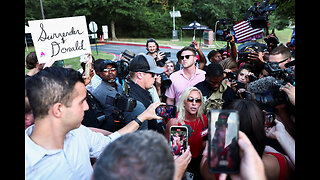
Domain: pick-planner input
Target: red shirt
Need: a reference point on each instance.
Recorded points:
(195, 140)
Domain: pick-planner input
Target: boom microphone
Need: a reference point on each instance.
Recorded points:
(261, 85)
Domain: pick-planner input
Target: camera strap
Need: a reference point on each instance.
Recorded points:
(126, 87)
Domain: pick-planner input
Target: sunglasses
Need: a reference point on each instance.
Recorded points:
(186, 56)
(283, 61)
(191, 100)
(111, 70)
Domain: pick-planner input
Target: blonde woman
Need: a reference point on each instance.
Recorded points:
(190, 112)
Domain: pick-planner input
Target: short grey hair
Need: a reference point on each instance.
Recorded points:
(142, 155)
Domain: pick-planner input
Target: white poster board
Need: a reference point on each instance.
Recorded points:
(60, 38)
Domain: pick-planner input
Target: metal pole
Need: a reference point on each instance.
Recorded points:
(94, 34)
(42, 13)
(174, 24)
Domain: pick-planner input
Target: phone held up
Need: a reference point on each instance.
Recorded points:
(223, 151)
(88, 66)
(269, 118)
(166, 111)
(178, 139)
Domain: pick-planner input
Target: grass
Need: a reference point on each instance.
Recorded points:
(283, 36)
(73, 62)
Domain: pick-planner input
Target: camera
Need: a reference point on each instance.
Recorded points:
(231, 76)
(268, 99)
(122, 102)
(122, 69)
(260, 13)
(274, 69)
(165, 80)
(274, 40)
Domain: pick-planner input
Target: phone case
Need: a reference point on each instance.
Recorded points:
(223, 151)
(166, 111)
(178, 139)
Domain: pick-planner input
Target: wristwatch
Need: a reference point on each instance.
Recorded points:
(138, 121)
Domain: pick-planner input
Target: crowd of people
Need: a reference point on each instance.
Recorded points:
(105, 126)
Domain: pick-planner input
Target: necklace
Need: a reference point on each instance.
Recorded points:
(193, 124)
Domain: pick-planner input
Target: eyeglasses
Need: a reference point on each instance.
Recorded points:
(186, 56)
(283, 61)
(191, 100)
(111, 70)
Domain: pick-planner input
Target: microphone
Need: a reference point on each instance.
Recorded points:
(189, 129)
(262, 85)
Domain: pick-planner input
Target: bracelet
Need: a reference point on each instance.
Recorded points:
(138, 121)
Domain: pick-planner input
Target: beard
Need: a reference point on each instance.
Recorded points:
(111, 80)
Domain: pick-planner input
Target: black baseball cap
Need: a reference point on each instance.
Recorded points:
(105, 63)
(144, 63)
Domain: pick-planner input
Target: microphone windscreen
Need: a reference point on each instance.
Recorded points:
(261, 85)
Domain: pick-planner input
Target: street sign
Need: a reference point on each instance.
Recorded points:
(93, 26)
(175, 14)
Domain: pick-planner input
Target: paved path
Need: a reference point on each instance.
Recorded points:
(116, 48)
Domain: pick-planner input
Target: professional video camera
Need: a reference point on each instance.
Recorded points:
(260, 13)
(269, 98)
(228, 23)
(122, 102)
(122, 69)
(266, 91)
(123, 64)
(287, 75)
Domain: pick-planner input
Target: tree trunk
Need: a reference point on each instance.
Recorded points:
(113, 31)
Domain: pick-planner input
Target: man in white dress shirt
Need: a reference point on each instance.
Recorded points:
(57, 146)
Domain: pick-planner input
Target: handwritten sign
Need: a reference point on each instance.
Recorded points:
(60, 38)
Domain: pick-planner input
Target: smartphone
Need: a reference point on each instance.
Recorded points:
(87, 69)
(243, 55)
(166, 111)
(223, 151)
(167, 54)
(269, 119)
(178, 139)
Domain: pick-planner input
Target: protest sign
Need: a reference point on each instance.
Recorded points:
(60, 38)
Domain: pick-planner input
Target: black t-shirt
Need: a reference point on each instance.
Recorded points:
(228, 95)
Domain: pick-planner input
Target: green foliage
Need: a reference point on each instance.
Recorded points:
(151, 18)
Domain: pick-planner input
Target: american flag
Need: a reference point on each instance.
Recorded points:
(244, 31)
